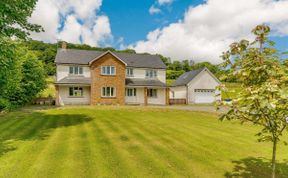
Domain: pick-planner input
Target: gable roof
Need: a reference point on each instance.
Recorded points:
(77, 56)
(185, 78)
(103, 54)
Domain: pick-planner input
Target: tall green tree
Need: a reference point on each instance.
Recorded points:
(13, 24)
(14, 18)
(264, 78)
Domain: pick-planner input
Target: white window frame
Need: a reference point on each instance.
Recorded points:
(151, 73)
(79, 70)
(204, 91)
(105, 69)
(130, 72)
(76, 92)
(131, 92)
(106, 94)
(152, 92)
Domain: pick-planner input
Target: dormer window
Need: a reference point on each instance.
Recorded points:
(151, 73)
(129, 72)
(76, 70)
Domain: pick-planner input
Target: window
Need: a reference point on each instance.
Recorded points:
(108, 92)
(108, 70)
(131, 92)
(75, 70)
(151, 73)
(152, 93)
(205, 90)
(76, 91)
(129, 72)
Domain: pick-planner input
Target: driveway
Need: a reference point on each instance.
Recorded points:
(202, 108)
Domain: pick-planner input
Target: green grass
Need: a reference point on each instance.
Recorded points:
(130, 142)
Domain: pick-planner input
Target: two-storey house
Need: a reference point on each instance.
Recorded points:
(95, 77)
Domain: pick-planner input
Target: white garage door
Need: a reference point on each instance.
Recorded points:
(204, 95)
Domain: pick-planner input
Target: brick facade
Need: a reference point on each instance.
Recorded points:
(117, 81)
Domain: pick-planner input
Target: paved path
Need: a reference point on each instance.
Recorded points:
(204, 108)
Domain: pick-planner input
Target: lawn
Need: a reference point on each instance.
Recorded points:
(130, 142)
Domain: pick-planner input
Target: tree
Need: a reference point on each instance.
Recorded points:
(33, 77)
(264, 78)
(14, 18)
(13, 23)
(24, 79)
(213, 68)
(186, 65)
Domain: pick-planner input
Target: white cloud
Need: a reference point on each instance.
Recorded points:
(100, 33)
(154, 10)
(208, 29)
(81, 21)
(161, 2)
(72, 30)
(47, 15)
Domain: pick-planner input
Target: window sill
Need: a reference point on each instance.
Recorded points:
(76, 75)
(108, 75)
(153, 97)
(108, 97)
(151, 77)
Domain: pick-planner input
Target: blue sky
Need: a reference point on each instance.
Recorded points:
(130, 18)
(198, 30)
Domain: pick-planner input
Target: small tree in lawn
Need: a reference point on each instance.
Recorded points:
(264, 78)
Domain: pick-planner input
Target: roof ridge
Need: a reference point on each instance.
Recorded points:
(122, 52)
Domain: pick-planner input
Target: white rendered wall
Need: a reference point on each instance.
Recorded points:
(202, 81)
(65, 99)
(180, 92)
(62, 71)
(141, 73)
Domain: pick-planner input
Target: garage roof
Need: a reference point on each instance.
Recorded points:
(185, 78)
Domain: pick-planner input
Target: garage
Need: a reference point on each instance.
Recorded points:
(196, 86)
(204, 95)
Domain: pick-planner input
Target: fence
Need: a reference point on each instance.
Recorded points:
(44, 101)
(177, 101)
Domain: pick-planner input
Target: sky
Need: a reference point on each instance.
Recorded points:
(198, 30)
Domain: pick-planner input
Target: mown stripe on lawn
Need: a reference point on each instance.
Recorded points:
(53, 150)
(184, 151)
(78, 151)
(143, 161)
(111, 162)
(25, 151)
(154, 141)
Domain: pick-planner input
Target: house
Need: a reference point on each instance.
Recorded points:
(95, 77)
(197, 86)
